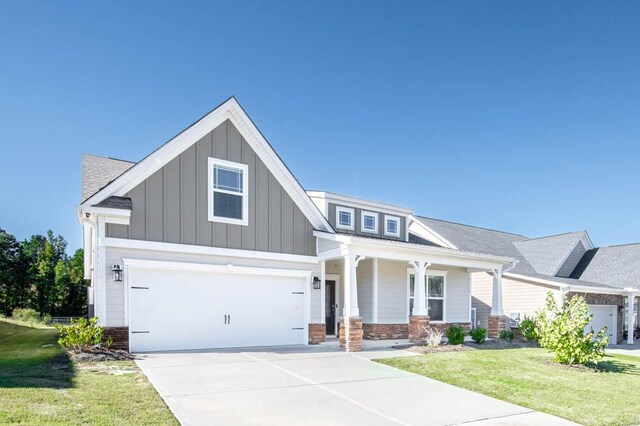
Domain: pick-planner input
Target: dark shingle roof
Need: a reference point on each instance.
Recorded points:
(617, 266)
(499, 243)
(114, 202)
(98, 172)
(546, 254)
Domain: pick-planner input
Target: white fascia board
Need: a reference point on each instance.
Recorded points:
(117, 216)
(229, 110)
(211, 251)
(434, 236)
(564, 287)
(330, 197)
(205, 267)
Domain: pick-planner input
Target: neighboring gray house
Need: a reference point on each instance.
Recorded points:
(211, 242)
(608, 277)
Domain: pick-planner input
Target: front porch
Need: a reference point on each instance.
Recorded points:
(368, 290)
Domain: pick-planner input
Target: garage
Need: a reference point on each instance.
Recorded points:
(604, 316)
(214, 306)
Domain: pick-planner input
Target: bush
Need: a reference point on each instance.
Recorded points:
(507, 335)
(479, 335)
(561, 330)
(26, 315)
(433, 338)
(455, 335)
(81, 334)
(528, 328)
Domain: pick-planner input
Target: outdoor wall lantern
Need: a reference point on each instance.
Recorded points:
(316, 283)
(117, 272)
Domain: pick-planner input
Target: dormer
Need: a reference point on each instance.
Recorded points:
(357, 216)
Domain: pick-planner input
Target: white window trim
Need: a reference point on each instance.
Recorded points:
(386, 231)
(428, 273)
(245, 191)
(375, 222)
(352, 212)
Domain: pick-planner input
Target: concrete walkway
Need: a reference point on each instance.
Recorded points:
(631, 350)
(316, 386)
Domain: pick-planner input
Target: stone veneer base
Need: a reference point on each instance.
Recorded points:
(385, 331)
(120, 336)
(317, 333)
(353, 341)
(497, 323)
(418, 327)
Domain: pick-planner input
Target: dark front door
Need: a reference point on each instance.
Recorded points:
(330, 306)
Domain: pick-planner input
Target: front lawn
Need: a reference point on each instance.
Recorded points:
(39, 384)
(528, 377)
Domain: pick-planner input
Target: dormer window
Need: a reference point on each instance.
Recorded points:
(391, 226)
(369, 222)
(344, 218)
(228, 199)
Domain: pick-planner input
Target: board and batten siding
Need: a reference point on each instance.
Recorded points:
(517, 296)
(572, 260)
(358, 223)
(171, 206)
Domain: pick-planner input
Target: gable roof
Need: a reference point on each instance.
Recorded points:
(617, 266)
(547, 254)
(98, 172)
(489, 241)
(228, 110)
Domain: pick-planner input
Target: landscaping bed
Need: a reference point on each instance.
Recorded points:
(41, 384)
(606, 394)
(472, 346)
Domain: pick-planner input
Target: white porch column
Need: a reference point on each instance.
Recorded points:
(496, 300)
(351, 285)
(631, 296)
(374, 285)
(419, 296)
(323, 291)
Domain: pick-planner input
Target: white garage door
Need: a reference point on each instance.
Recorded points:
(174, 310)
(603, 316)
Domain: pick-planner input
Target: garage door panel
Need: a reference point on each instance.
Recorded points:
(186, 310)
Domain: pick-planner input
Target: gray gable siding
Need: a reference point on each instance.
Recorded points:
(572, 261)
(171, 205)
(358, 219)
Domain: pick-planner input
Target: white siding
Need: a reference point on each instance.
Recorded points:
(365, 290)
(517, 296)
(115, 291)
(457, 300)
(393, 298)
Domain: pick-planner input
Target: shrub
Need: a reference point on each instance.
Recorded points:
(433, 338)
(81, 334)
(26, 315)
(507, 335)
(561, 329)
(455, 335)
(528, 328)
(479, 335)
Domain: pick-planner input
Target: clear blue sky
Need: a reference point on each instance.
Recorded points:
(521, 116)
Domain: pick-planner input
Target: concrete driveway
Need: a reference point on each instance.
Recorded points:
(631, 350)
(316, 386)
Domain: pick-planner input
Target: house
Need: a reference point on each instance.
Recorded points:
(211, 242)
(607, 277)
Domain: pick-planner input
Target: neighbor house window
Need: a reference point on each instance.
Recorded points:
(435, 283)
(391, 226)
(344, 218)
(228, 200)
(514, 319)
(369, 222)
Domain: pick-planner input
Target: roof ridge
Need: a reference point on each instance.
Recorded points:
(617, 245)
(554, 235)
(472, 226)
(110, 158)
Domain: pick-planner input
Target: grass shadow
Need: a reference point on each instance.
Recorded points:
(31, 358)
(616, 366)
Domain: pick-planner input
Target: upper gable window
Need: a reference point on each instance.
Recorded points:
(391, 226)
(344, 218)
(228, 200)
(369, 222)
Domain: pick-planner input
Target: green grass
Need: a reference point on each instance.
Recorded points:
(39, 384)
(528, 377)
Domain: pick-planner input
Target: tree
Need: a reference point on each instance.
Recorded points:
(13, 291)
(561, 329)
